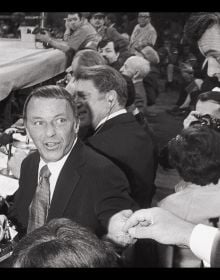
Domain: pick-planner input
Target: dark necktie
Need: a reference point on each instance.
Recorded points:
(40, 204)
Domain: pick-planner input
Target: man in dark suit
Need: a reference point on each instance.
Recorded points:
(121, 138)
(84, 186)
(117, 135)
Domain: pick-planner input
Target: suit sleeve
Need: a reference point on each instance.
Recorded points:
(113, 194)
(204, 244)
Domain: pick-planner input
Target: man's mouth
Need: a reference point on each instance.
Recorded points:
(51, 145)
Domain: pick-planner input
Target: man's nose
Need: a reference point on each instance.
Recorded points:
(50, 130)
(213, 67)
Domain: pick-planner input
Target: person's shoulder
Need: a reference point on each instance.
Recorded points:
(87, 27)
(32, 157)
(94, 157)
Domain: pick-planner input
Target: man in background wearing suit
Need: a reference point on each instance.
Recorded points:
(118, 135)
(83, 185)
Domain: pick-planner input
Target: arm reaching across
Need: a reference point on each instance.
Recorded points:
(115, 228)
(160, 225)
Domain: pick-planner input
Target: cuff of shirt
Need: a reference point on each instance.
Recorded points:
(201, 241)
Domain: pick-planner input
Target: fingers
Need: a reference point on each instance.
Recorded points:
(127, 213)
(140, 232)
(142, 215)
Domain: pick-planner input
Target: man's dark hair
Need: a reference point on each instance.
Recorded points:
(111, 17)
(86, 15)
(89, 58)
(49, 92)
(210, 96)
(104, 42)
(195, 154)
(105, 78)
(63, 243)
(198, 23)
(73, 13)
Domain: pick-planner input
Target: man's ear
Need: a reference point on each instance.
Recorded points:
(111, 96)
(76, 126)
(136, 75)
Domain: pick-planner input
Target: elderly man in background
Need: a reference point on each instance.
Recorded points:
(144, 33)
(78, 35)
(137, 68)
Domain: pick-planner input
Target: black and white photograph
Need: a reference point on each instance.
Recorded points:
(110, 139)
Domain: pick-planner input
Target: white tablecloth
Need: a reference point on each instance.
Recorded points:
(22, 65)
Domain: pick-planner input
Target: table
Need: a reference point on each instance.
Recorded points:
(22, 65)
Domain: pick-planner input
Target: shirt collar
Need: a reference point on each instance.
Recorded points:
(57, 164)
(119, 112)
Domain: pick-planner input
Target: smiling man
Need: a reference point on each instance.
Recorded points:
(65, 178)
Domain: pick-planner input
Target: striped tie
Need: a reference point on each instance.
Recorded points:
(39, 207)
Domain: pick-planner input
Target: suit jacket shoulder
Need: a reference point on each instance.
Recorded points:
(124, 141)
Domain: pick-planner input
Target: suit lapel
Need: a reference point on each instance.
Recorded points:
(67, 181)
(32, 180)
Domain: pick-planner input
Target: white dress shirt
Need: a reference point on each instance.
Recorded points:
(120, 112)
(201, 242)
(55, 168)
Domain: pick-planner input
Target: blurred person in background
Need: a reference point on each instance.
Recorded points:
(143, 34)
(78, 35)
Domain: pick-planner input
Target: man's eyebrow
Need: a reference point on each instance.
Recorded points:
(210, 51)
(41, 118)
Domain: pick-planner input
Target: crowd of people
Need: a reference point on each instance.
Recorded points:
(85, 194)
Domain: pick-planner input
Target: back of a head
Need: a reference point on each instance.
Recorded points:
(150, 54)
(88, 58)
(198, 23)
(195, 154)
(63, 243)
(111, 17)
(139, 65)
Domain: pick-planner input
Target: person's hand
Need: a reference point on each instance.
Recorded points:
(159, 224)
(67, 26)
(43, 37)
(115, 232)
(189, 119)
(3, 222)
